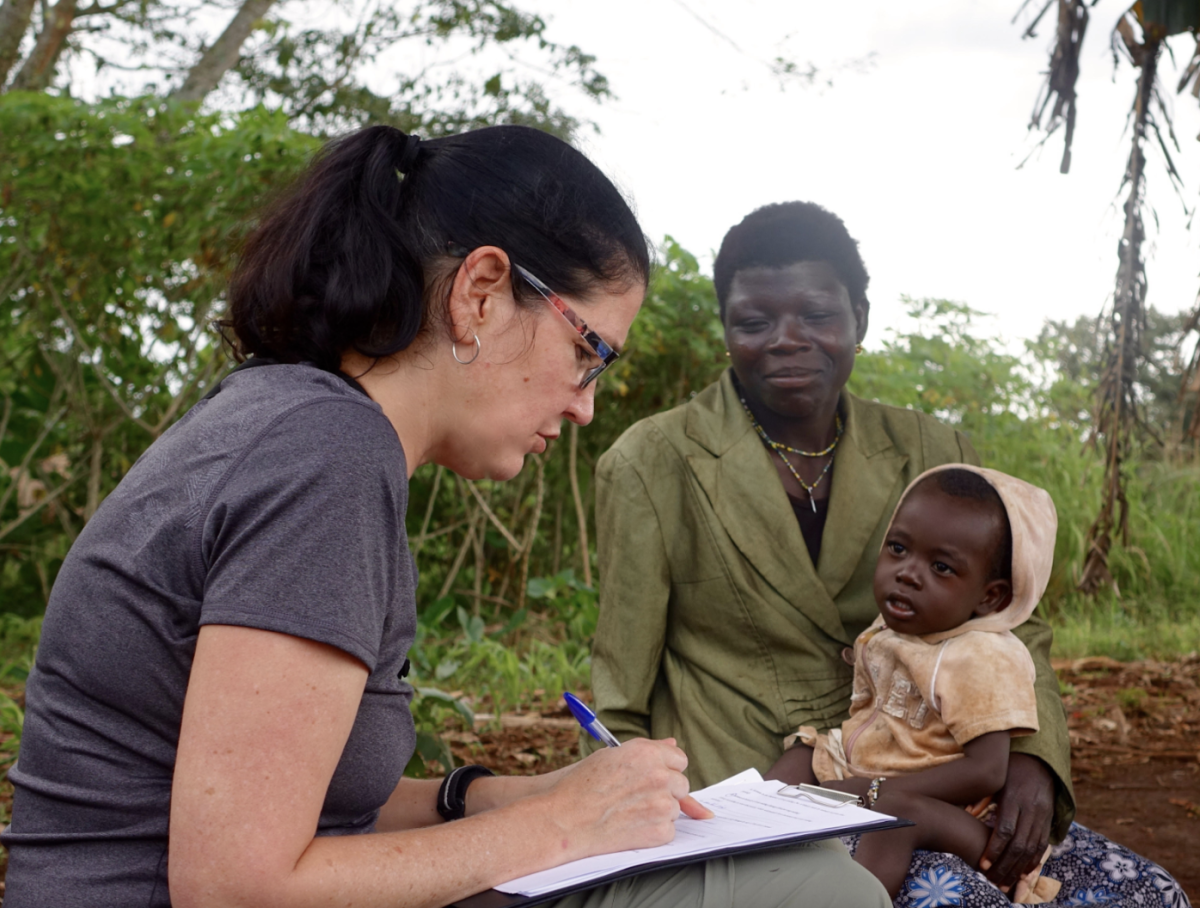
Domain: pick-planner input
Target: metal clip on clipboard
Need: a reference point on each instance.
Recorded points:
(826, 797)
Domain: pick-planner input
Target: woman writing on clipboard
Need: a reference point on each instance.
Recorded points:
(217, 715)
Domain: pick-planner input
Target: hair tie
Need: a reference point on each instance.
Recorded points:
(408, 157)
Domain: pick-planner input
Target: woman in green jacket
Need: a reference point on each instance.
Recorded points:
(738, 535)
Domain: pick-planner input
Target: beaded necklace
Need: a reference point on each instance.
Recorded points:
(779, 448)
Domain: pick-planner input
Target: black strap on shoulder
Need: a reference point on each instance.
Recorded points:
(352, 383)
(240, 367)
(256, 361)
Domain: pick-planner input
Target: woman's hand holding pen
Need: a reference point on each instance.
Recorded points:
(624, 797)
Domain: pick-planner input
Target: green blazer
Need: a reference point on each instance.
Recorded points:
(715, 627)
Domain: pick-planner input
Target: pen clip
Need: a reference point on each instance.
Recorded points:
(826, 797)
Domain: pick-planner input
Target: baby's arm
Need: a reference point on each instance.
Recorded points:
(794, 767)
(980, 772)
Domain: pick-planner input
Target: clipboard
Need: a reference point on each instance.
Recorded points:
(825, 797)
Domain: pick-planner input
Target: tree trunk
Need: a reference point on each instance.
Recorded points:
(14, 22)
(580, 510)
(531, 533)
(224, 54)
(95, 474)
(38, 69)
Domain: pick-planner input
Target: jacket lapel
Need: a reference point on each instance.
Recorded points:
(864, 484)
(744, 491)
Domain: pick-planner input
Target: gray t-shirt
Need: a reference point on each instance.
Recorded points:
(278, 504)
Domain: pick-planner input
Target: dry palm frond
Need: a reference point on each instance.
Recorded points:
(1190, 73)
(1116, 407)
(1059, 87)
(1140, 37)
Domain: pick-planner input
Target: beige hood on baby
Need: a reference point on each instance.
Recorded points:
(1034, 524)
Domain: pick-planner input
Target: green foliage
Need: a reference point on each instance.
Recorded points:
(576, 607)
(547, 650)
(675, 348)
(18, 645)
(1076, 354)
(117, 226)
(12, 721)
(500, 665)
(943, 368)
(432, 709)
(1132, 699)
(1108, 626)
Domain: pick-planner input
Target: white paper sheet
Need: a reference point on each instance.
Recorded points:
(748, 811)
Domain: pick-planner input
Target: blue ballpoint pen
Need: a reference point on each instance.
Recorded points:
(590, 723)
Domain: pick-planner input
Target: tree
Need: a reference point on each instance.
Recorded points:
(224, 53)
(1140, 36)
(317, 76)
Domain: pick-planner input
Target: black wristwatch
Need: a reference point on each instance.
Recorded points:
(452, 796)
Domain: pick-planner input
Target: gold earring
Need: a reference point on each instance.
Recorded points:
(858, 348)
(726, 352)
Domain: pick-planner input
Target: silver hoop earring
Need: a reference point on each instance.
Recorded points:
(465, 362)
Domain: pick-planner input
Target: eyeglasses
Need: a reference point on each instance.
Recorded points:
(600, 348)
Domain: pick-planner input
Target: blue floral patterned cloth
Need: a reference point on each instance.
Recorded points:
(1092, 870)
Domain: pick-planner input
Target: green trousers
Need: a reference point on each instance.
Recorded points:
(817, 875)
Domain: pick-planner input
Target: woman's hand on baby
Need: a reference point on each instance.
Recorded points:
(1025, 810)
(624, 797)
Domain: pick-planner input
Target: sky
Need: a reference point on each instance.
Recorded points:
(918, 151)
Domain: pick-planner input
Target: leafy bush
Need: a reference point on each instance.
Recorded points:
(547, 650)
(18, 645)
(118, 225)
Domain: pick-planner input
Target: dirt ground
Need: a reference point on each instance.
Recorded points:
(1135, 745)
(1135, 753)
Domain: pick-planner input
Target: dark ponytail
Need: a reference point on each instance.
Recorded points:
(343, 261)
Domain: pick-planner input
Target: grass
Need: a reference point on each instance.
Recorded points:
(1153, 611)
(1124, 629)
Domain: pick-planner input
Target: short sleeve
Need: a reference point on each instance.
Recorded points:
(305, 534)
(983, 682)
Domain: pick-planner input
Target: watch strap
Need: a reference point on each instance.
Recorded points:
(452, 795)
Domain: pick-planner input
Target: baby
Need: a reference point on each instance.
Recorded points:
(940, 681)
